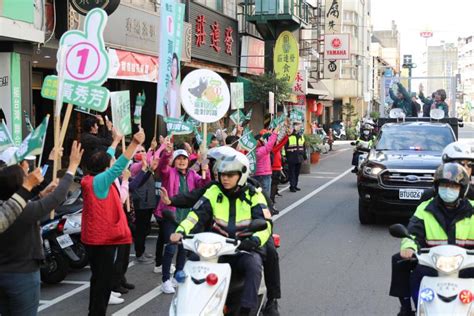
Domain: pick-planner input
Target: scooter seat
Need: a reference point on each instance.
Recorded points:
(236, 283)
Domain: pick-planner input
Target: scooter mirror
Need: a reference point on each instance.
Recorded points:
(353, 143)
(257, 225)
(399, 231)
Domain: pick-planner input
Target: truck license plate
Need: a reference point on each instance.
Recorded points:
(410, 194)
(64, 241)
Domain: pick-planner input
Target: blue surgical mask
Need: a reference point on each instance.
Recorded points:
(448, 195)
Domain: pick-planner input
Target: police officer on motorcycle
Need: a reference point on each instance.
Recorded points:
(446, 218)
(366, 139)
(228, 207)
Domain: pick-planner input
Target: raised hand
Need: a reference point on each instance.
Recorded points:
(139, 137)
(33, 179)
(153, 144)
(51, 154)
(50, 188)
(164, 196)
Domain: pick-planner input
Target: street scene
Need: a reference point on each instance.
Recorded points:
(264, 158)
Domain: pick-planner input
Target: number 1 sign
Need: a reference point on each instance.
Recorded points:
(86, 59)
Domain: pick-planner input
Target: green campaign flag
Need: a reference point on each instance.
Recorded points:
(252, 156)
(139, 104)
(277, 121)
(176, 126)
(32, 145)
(5, 139)
(239, 118)
(247, 141)
(198, 136)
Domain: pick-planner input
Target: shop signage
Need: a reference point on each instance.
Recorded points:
(205, 95)
(132, 66)
(84, 6)
(337, 46)
(10, 93)
(300, 85)
(252, 60)
(332, 25)
(120, 104)
(286, 57)
(215, 36)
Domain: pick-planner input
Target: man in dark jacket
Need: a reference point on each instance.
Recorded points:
(96, 136)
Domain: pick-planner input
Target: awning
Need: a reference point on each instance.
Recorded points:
(319, 89)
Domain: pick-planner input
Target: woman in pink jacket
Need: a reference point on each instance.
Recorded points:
(263, 173)
(177, 178)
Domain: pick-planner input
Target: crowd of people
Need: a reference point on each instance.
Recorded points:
(120, 201)
(418, 106)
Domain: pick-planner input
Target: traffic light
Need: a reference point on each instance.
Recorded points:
(407, 61)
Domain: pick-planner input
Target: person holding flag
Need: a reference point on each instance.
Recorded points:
(21, 247)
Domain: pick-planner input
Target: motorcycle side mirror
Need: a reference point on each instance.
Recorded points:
(364, 149)
(353, 143)
(257, 225)
(169, 216)
(399, 231)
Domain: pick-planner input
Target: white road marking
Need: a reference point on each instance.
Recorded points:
(64, 296)
(136, 304)
(75, 282)
(307, 197)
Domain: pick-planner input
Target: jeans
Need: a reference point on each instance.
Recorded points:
(19, 293)
(265, 182)
(102, 260)
(169, 228)
(294, 174)
(142, 229)
(250, 266)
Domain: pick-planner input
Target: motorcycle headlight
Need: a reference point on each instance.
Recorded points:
(206, 250)
(448, 264)
(372, 171)
(212, 306)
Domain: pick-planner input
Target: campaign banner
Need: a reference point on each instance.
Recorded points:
(132, 66)
(176, 126)
(171, 33)
(120, 102)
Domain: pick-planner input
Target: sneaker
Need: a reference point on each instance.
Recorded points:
(144, 260)
(292, 190)
(115, 300)
(271, 308)
(174, 282)
(297, 189)
(116, 294)
(158, 269)
(128, 286)
(120, 290)
(167, 287)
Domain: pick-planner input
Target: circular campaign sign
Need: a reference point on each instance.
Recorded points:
(205, 95)
(83, 7)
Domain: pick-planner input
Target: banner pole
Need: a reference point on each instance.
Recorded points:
(128, 196)
(67, 117)
(44, 141)
(204, 147)
(156, 125)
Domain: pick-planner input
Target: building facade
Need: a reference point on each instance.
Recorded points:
(466, 69)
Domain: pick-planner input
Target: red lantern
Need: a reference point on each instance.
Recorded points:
(319, 109)
(312, 105)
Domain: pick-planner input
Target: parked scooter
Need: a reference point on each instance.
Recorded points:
(340, 133)
(445, 294)
(206, 287)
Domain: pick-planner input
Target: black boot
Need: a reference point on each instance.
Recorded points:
(271, 308)
(406, 311)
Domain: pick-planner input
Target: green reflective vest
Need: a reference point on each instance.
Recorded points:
(231, 216)
(424, 222)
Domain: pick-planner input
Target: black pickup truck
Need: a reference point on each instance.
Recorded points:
(398, 172)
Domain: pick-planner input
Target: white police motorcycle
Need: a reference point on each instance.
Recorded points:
(445, 294)
(206, 287)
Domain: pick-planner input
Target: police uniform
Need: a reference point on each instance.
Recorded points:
(231, 213)
(295, 154)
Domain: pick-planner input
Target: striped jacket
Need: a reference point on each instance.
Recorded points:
(12, 208)
(430, 227)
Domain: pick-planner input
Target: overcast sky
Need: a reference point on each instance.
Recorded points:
(447, 19)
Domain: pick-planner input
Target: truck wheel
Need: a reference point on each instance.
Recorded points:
(366, 217)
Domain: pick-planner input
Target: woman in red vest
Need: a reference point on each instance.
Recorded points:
(104, 224)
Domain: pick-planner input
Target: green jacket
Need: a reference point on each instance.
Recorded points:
(430, 226)
(405, 104)
(230, 214)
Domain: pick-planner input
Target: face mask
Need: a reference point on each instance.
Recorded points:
(366, 133)
(448, 195)
(297, 128)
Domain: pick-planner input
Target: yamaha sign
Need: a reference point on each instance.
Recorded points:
(337, 46)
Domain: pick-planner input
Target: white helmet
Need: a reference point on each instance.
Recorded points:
(218, 152)
(236, 163)
(458, 151)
